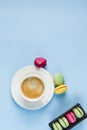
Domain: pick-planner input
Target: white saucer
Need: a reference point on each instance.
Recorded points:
(25, 72)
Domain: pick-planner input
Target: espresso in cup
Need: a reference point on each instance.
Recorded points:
(32, 87)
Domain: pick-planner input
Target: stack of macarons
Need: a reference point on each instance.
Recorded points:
(69, 119)
(60, 87)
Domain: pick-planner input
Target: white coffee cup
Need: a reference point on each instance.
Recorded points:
(32, 87)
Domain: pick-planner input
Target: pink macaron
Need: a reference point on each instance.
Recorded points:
(71, 117)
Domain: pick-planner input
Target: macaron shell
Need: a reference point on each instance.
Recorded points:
(60, 89)
(78, 112)
(59, 127)
(71, 117)
(54, 126)
(64, 122)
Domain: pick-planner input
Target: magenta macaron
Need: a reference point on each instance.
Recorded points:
(40, 62)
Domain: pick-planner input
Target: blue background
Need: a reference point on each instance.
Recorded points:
(56, 30)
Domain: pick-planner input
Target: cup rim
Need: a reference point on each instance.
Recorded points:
(32, 99)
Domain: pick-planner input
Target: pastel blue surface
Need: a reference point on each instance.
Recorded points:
(56, 30)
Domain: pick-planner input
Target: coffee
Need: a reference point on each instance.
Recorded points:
(32, 87)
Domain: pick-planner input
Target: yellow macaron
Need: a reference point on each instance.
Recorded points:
(61, 89)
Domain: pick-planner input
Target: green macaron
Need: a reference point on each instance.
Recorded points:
(78, 112)
(64, 122)
(58, 79)
(57, 126)
(54, 126)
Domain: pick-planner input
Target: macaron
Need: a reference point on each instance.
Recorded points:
(78, 112)
(64, 122)
(71, 117)
(60, 89)
(40, 62)
(57, 126)
(54, 126)
(58, 79)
